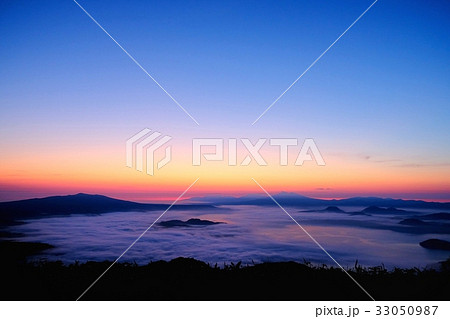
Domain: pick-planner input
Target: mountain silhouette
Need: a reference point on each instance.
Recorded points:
(413, 222)
(436, 216)
(380, 210)
(333, 209)
(77, 204)
(294, 199)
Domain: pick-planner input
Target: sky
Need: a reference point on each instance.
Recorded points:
(376, 104)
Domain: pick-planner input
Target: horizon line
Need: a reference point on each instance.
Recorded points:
(164, 199)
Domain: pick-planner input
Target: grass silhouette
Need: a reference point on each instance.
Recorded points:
(190, 279)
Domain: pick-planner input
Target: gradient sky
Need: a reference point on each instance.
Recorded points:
(377, 104)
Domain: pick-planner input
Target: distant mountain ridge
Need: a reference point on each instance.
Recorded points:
(293, 199)
(77, 204)
(97, 204)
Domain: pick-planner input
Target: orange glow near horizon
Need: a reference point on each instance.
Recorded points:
(103, 171)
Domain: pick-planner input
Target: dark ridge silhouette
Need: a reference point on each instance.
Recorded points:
(333, 209)
(188, 223)
(8, 234)
(190, 279)
(437, 244)
(329, 209)
(389, 202)
(14, 211)
(413, 222)
(293, 199)
(436, 216)
(19, 251)
(380, 210)
(428, 228)
(77, 204)
(9, 222)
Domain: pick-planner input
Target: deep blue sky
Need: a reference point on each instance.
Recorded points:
(219, 59)
(381, 92)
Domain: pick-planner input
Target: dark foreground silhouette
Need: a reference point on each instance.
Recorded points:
(190, 279)
(188, 223)
(436, 244)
